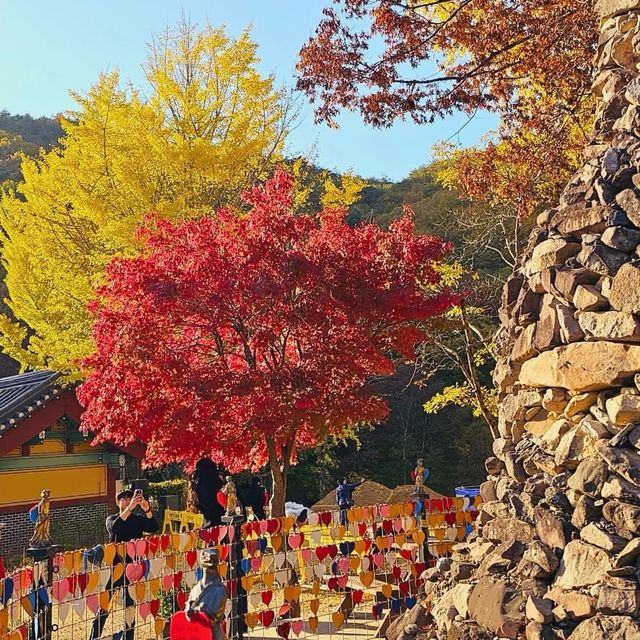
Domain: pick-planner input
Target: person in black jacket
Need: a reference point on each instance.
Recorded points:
(202, 497)
(344, 497)
(253, 495)
(123, 527)
(126, 525)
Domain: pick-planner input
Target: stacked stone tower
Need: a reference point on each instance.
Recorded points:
(558, 547)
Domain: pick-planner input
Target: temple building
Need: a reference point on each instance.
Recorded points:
(41, 447)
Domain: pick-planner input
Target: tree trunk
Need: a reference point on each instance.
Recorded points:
(474, 380)
(279, 469)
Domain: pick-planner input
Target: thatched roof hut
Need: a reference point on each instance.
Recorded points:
(368, 493)
(404, 492)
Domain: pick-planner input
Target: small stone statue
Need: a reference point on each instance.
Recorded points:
(41, 537)
(230, 491)
(209, 595)
(419, 472)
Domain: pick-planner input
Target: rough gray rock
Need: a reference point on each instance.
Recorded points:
(621, 238)
(629, 554)
(615, 601)
(625, 289)
(542, 555)
(550, 528)
(610, 325)
(584, 512)
(505, 529)
(576, 604)
(617, 487)
(554, 251)
(493, 604)
(602, 259)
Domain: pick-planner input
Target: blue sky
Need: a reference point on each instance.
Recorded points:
(48, 48)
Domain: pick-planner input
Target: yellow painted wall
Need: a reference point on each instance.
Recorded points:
(85, 447)
(24, 487)
(47, 447)
(17, 452)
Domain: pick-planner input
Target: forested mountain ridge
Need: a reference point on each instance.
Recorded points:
(23, 134)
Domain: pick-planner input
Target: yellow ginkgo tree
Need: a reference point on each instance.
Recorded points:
(207, 126)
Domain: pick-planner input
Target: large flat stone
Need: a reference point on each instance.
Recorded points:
(502, 529)
(624, 462)
(607, 628)
(582, 565)
(582, 366)
(607, 8)
(492, 604)
(576, 220)
(610, 325)
(625, 289)
(598, 537)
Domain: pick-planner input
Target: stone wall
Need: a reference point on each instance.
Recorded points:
(557, 552)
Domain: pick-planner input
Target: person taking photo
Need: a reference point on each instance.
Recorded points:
(123, 527)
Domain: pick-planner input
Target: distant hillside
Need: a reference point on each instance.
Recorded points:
(43, 131)
(23, 134)
(382, 202)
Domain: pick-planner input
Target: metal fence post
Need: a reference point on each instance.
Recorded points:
(237, 626)
(42, 567)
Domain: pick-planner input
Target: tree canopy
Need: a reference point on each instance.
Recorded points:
(253, 337)
(209, 126)
(527, 60)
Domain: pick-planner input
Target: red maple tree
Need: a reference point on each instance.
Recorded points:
(246, 338)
